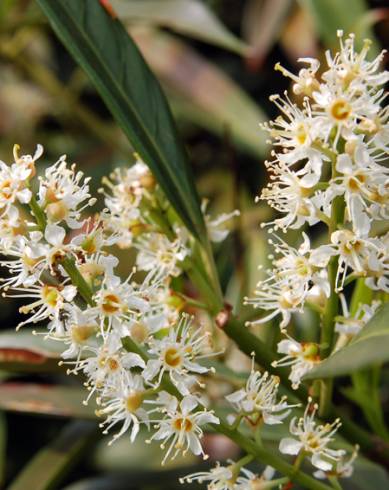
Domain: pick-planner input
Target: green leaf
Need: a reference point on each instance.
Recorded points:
(64, 401)
(369, 347)
(24, 352)
(189, 17)
(54, 462)
(103, 48)
(331, 15)
(201, 92)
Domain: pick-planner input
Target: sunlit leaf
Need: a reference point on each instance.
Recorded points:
(64, 401)
(202, 92)
(103, 48)
(52, 463)
(189, 17)
(369, 347)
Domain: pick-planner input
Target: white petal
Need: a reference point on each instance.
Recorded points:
(290, 446)
(55, 235)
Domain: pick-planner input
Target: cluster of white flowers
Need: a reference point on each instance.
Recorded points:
(139, 216)
(234, 477)
(127, 337)
(140, 354)
(327, 167)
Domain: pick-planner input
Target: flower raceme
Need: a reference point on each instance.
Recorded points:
(132, 340)
(59, 258)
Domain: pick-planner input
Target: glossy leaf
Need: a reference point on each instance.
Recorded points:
(368, 348)
(103, 48)
(64, 401)
(24, 352)
(53, 463)
(202, 92)
(189, 17)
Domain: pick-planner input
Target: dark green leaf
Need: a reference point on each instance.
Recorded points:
(51, 464)
(369, 347)
(103, 48)
(64, 401)
(189, 17)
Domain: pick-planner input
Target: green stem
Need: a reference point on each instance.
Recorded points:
(83, 288)
(334, 482)
(38, 213)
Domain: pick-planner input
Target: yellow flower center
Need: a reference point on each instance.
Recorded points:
(183, 423)
(172, 357)
(134, 401)
(340, 110)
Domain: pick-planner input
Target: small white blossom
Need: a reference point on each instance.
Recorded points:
(180, 428)
(259, 398)
(313, 439)
(302, 357)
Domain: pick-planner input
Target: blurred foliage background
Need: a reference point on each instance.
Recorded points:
(215, 60)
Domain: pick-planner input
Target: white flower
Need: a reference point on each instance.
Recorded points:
(126, 189)
(124, 405)
(216, 231)
(259, 398)
(343, 468)
(181, 427)
(252, 481)
(157, 252)
(313, 439)
(217, 478)
(105, 367)
(50, 303)
(62, 194)
(302, 357)
(351, 325)
(119, 302)
(287, 193)
(14, 179)
(177, 354)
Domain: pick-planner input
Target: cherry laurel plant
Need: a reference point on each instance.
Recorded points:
(141, 354)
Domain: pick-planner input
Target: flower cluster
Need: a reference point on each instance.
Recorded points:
(327, 167)
(128, 338)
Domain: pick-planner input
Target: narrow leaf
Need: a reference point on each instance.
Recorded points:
(53, 463)
(64, 401)
(190, 17)
(368, 348)
(103, 48)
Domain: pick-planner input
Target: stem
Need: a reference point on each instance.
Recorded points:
(332, 306)
(82, 286)
(38, 213)
(334, 482)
